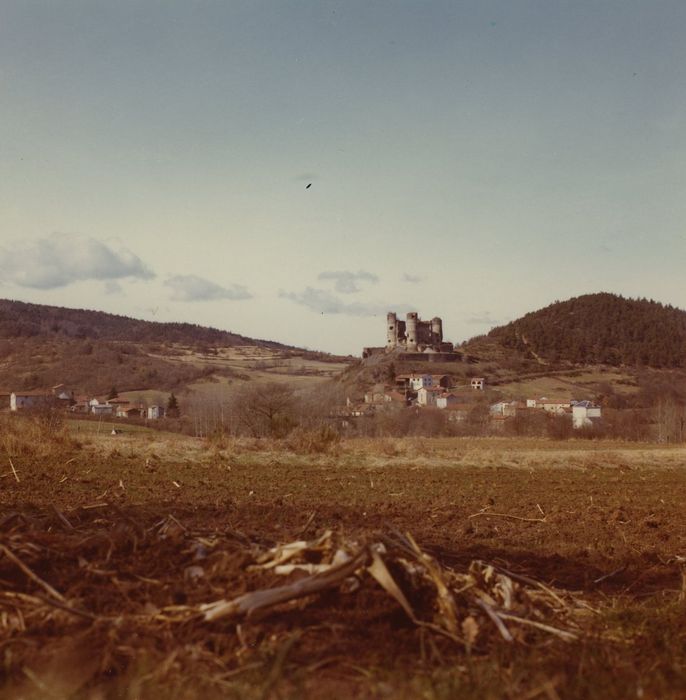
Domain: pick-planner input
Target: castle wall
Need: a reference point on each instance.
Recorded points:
(414, 335)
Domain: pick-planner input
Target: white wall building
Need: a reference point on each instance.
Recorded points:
(584, 414)
(427, 396)
(417, 381)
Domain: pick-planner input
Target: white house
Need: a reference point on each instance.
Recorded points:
(478, 383)
(418, 381)
(155, 412)
(427, 395)
(584, 414)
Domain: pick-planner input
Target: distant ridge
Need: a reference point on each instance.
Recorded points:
(92, 351)
(601, 328)
(20, 319)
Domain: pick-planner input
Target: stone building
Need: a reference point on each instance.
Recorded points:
(415, 335)
(415, 340)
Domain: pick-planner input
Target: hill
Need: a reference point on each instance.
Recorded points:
(623, 352)
(92, 351)
(600, 329)
(20, 319)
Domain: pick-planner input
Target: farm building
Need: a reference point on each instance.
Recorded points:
(585, 414)
(22, 400)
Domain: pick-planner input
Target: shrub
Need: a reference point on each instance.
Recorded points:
(316, 441)
(38, 434)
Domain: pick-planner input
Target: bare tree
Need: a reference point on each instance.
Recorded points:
(265, 410)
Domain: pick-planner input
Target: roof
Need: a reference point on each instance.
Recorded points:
(32, 393)
(585, 404)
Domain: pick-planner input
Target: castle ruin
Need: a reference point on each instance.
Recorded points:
(414, 336)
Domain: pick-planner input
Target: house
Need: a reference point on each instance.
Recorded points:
(62, 394)
(101, 409)
(395, 397)
(585, 414)
(155, 412)
(446, 400)
(22, 400)
(129, 412)
(531, 403)
(419, 381)
(477, 383)
(505, 409)
(557, 407)
(357, 410)
(376, 395)
(427, 395)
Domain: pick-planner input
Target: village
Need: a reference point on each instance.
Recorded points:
(59, 397)
(434, 391)
(417, 341)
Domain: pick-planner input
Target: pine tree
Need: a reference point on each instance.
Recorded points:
(173, 407)
(113, 393)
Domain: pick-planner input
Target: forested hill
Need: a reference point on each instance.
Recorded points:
(21, 320)
(601, 328)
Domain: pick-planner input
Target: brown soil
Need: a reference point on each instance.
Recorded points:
(95, 525)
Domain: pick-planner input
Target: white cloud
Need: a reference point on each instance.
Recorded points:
(113, 287)
(63, 258)
(412, 279)
(484, 318)
(347, 282)
(325, 302)
(194, 288)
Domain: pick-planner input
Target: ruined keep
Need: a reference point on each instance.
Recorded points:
(415, 339)
(415, 335)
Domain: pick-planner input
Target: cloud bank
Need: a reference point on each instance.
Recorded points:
(346, 282)
(194, 288)
(325, 302)
(64, 258)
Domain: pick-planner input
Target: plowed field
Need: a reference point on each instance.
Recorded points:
(110, 550)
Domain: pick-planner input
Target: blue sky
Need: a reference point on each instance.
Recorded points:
(473, 160)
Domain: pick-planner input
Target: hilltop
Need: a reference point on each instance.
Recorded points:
(20, 319)
(591, 346)
(92, 351)
(600, 329)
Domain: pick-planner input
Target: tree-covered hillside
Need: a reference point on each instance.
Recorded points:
(601, 328)
(21, 320)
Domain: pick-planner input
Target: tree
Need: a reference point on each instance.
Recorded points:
(173, 407)
(113, 393)
(265, 410)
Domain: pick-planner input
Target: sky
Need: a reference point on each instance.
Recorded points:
(292, 170)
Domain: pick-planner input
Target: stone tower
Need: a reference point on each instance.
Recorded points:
(411, 331)
(437, 330)
(391, 330)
